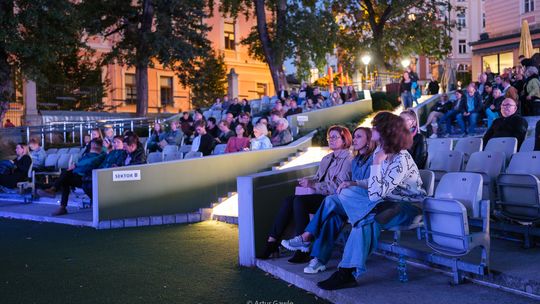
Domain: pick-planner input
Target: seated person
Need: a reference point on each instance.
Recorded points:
(37, 153)
(245, 118)
(469, 110)
(261, 140)
(211, 127)
(418, 150)
(73, 177)
(186, 124)
(117, 156)
(173, 137)
(245, 107)
(134, 150)
(108, 136)
(451, 115)
(155, 138)
(204, 142)
(294, 109)
(334, 169)
(95, 133)
(240, 142)
(282, 134)
(308, 105)
(217, 106)
(437, 111)
(493, 106)
(226, 132)
(394, 184)
(16, 171)
(511, 124)
(235, 108)
(327, 223)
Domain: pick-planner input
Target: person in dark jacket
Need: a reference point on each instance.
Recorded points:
(469, 109)
(405, 91)
(155, 137)
(510, 124)
(537, 137)
(134, 150)
(203, 143)
(116, 157)
(437, 111)
(18, 168)
(418, 150)
(493, 106)
(236, 108)
(73, 177)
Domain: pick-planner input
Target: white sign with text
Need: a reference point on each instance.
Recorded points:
(123, 176)
(302, 118)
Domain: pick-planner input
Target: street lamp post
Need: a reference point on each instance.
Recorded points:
(365, 60)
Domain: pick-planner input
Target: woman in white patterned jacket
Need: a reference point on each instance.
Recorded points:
(394, 185)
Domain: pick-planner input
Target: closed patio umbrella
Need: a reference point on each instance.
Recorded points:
(525, 42)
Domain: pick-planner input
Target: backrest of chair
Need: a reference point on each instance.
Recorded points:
(75, 150)
(52, 151)
(507, 145)
(519, 196)
(217, 115)
(193, 154)
(64, 161)
(154, 157)
(178, 155)
(527, 145)
(465, 187)
(446, 225)
(468, 146)
(170, 156)
(488, 162)
(219, 149)
(185, 149)
(30, 169)
(51, 160)
(170, 149)
(75, 158)
(428, 181)
(525, 163)
(439, 144)
(63, 151)
(448, 161)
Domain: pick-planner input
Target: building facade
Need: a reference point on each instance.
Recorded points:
(498, 47)
(165, 93)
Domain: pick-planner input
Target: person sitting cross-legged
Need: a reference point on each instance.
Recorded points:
(73, 177)
(469, 110)
(327, 223)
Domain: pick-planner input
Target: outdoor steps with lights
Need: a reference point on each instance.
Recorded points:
(224, 218)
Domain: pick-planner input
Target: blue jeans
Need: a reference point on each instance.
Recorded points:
(491, 116)
(472, 119)
(364, 237)
(448, 118)
(325, 227)
(407, 99)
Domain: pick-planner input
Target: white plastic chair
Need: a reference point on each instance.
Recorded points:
(507, 145)
(154, 157)
(490, 164)
(468, 146)
(527, 145)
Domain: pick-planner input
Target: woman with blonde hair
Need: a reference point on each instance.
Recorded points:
(418, 150)
(261, 140)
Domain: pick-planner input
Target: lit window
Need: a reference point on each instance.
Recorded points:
(462, 46)
(166, 90)
(131, 88)
(228, 32)
(528, 6)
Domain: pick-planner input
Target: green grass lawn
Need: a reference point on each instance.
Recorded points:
(198, 263)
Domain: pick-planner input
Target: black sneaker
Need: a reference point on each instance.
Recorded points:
(270, 250)
(300, 257)
(338, 280)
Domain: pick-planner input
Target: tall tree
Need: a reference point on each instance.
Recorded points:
(391, 29)
(208, 82)
(301, 30)
(35, 34)
(170, 32)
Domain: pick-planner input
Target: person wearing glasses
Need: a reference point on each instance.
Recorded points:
(334, 169)
(394, 187)
(510, 124)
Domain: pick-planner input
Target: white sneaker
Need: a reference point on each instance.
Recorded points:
(433, 136)
(296, 243)
(423, 128)
(314, 266)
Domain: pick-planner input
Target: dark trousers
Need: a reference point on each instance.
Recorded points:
(299, 207)
(67, 180)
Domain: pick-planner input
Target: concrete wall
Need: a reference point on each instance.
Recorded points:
(324, 117)
(180, 186)
(259, 198)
